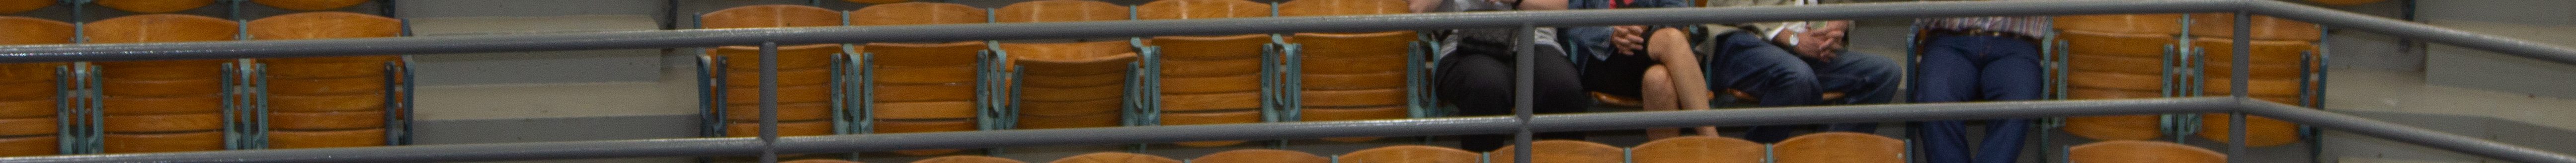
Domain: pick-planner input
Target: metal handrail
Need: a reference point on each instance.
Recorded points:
(1298, 130)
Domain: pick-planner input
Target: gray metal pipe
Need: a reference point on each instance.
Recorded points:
(1158, 134)
(1005, 31)
(2412, 30)
(2401, 133)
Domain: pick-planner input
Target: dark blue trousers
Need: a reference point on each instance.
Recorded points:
(1976, 68)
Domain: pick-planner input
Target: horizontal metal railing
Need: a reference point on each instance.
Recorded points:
(1297, 130)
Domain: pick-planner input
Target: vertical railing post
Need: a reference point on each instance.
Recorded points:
(1523, 88)
(2236, 119)
(769, 102)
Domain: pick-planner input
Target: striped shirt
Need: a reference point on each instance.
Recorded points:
(2032, 26)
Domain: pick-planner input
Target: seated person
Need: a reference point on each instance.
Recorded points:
(1789, 64)
(1476, 72)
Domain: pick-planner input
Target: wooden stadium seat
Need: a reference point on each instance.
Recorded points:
(1261, 156)
(2165, 24)
(1354, 98)
(1212, 101)
(1109, 119)
(2116, 64)
(934, 80)
(924, 110)
(1065, 65)
(915, 13)
(1410, 154)
(30, 145)
(2116, 44)
(745, 59)
(27, 124)
(29, 108)
(18, 6)
(786, 94)
(2219, 85)
(1211, 117)
(2259, 131)
(1060, 11)
(2272, 59)
(2116, 127)
(342, 120)
(924, 125)
(162, 123)
(28, 90)
(327, 86)
(1839, 147)
(921, 87)
(1564, 151)
(1699, 149)
(1335, 53)
(2127, 151)
(29, 30)
(170, 87)
(1341, 7)
(2222, 25)
(319, 103)
(154, 6)
(1213, 84)
(876, 1)
(1115, 157)
(967, 159)
(820, 161)
(1353, 113)
(1201, 9)
(1067, 108)
(2111, 80)
(162, 105)
(121, 105)
(785, 128)
(163, 142)
(310, 5)
(1062, 84)
(1203, 77)
(293, 139)
(1368, 80)
(1211, 67)
(13, 127)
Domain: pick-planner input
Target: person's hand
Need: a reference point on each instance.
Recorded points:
(1627, 39)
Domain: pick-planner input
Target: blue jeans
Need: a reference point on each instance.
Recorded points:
(1742, 62)
(1976, 68)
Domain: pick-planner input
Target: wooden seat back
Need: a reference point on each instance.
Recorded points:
(1699, 149)
(1261, 156)
(1115, 157)
(325, 25)
(1839, 147)
(18, 6)
(1410, 154)
(2116, 127)
(2130, 151)
(154, 6)
(310, 5)
(2223, 25)
(2166, 24)
(967, 159)
(30, 31)
(1563, 151)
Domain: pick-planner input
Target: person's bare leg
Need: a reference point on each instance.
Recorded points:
(1658, 96)
(1672, 48)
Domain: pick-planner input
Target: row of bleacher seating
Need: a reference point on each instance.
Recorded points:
(901, 87)
(196, 105)
(2171, 55)
(1830, 147)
